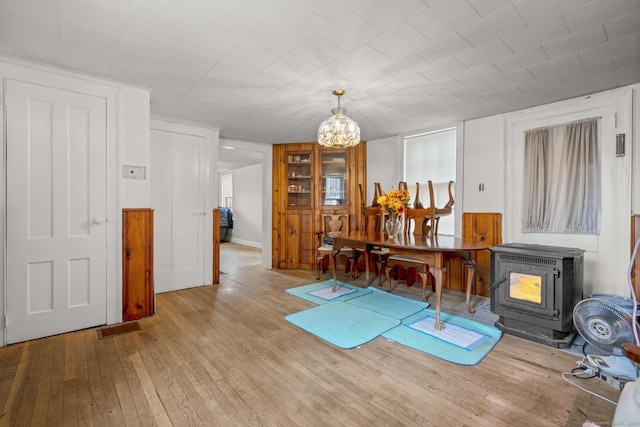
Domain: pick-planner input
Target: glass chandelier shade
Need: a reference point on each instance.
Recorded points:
(338, 131)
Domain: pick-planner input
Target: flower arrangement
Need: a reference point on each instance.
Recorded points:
(394, 202)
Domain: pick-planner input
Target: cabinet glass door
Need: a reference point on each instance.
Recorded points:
(334, 178)
(299, 179)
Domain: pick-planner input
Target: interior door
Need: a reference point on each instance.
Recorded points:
(56, 209)
(178, 198)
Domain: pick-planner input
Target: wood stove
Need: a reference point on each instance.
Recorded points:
(534, 290)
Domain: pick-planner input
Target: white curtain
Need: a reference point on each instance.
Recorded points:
(562, 179)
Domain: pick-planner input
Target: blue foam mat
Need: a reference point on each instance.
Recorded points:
(388, 304)
(304, 292)
(341, 324)
(434, 346)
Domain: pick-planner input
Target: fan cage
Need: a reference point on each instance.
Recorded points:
(603, 324)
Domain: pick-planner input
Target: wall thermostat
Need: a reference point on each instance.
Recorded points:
(134, 172)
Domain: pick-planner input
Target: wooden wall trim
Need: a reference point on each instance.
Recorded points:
(216, 246)
(635, 270)
(138, 295)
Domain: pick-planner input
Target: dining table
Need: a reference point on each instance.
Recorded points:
(434, 250)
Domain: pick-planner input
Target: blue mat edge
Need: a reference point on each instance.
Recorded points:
(467, 357)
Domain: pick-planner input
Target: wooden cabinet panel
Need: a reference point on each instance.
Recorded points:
(138, 297)
(309, 180)
(486, 227)
(308, 241)
(292, 239)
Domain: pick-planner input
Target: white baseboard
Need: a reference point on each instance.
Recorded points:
(246, 243)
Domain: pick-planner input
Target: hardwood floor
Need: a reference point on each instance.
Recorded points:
(223, 356)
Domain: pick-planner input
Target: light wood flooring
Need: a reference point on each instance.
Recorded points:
(224, 356)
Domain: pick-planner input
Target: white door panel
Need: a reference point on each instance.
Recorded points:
(56, 187)
(177, 197)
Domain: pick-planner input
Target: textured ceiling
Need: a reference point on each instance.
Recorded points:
(264, 70)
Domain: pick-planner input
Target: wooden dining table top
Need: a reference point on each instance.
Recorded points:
(438, 243)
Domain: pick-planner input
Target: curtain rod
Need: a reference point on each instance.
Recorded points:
(563, 124)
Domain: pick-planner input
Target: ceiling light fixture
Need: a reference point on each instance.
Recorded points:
(338, 131)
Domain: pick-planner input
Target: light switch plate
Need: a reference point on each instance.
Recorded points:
(134, 172)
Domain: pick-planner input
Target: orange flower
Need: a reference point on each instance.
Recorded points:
(394, 201)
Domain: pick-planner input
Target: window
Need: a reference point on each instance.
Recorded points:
(432, 156)
(562, 179)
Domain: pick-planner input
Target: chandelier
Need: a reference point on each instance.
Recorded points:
(338, 130)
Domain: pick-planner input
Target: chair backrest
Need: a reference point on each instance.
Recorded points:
(372, 219)
(440, 193)
(424, 220)
(333, 223)
(420, 221)
(377, 192)
(363, 203)
(417, 203)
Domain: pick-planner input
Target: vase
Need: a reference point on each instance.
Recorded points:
(393, 227)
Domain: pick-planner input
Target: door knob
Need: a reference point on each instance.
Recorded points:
(97, 220)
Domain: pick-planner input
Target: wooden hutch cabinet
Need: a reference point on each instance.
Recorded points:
(309, 180)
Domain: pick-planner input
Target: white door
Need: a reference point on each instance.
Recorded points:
(178, 200)
(56, 209)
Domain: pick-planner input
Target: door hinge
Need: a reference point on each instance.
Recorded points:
(556, 273)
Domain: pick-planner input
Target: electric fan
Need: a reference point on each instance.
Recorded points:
(604, 325)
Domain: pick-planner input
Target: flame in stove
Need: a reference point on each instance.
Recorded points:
(525, 287)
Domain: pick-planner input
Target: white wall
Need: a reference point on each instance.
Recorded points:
(484, 160)
(484, 165)
(384, 164)
(247, 202)
(134, 147)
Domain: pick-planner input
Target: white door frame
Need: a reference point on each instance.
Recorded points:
(90, 87)
(211, 146)
(267, 193)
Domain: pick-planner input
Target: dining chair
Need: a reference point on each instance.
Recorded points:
(427, 220)
(421, 222)
(372, 222)
(334, 223)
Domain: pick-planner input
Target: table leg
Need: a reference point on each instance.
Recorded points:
(470, 267)
(366, 268)
(437, 274)
(332, 261)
